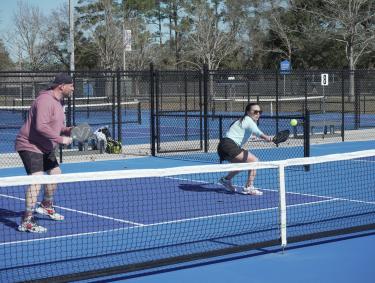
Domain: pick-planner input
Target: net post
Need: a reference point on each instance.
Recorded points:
(282, 206)
(306, 136)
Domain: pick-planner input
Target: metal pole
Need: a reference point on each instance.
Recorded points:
(306, 136)
(119, 112)
(342, 105)
(71, 35)
(124, 47)
(205, 106)
(152, 110)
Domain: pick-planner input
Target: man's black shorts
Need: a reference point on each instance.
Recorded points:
(38, 162)
(228, 149)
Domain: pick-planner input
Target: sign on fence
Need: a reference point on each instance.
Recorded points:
(324, 79)
(285, 67)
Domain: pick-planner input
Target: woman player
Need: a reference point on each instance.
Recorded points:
(230, 148)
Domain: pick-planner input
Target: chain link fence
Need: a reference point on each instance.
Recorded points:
(114, 100)
(183, 114)
(340, 105)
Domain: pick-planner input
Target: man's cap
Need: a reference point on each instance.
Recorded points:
(61, 78)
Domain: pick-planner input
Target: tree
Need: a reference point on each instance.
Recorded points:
(254, 33)
(102, 25)
(134, 14)
(104, 22)
(5, 61)
(109, 37)
(28, 34)
(56, 39)
(351, 23)
(208, 42)
(172, 10)
(87, 55)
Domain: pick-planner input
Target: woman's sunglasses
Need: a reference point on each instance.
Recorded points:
(256, 112)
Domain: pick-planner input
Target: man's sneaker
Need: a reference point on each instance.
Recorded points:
(252, 191)
(227, 185)
(30, 225)
(49, 211)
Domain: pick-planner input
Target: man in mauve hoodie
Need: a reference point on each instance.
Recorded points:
(36, 141)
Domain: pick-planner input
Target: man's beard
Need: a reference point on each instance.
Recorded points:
(67, 94)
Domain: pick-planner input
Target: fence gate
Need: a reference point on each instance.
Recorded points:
(178, 112)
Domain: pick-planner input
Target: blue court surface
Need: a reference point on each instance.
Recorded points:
(172, 127)
(349, 260)
(194, 203)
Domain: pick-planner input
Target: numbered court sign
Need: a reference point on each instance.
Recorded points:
(324, 79)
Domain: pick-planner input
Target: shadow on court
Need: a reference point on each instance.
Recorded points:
(200, 188)
(9, 218)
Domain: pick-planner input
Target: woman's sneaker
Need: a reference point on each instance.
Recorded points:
(29, 224)
(49, 211)
(227, 185)
(252, 191)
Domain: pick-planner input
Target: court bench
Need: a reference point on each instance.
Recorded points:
(328, 126)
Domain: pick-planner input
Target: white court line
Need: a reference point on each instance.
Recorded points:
(329, 198)
(158, 223)
(326, 199)
(292, 193)
(82, 212)
(143, 226)
(155, 224)
(269, 190)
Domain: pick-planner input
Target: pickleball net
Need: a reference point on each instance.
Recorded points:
(131, 220)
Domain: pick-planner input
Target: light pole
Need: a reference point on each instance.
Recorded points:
(124, 47)
(71, 35)
(127, 40)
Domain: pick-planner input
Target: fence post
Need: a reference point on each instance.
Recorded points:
(357, 100)
(277, 102)
(306, 136)
(305, 90)
(186, 108)
(152, 110)
(205, 106)
(113, 100)
(119, 112)
(200, 87)
(220, 132)
(342, 105)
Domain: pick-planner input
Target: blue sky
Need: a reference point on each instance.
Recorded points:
(9, 7)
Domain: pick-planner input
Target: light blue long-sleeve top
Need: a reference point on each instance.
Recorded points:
(240, 132)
